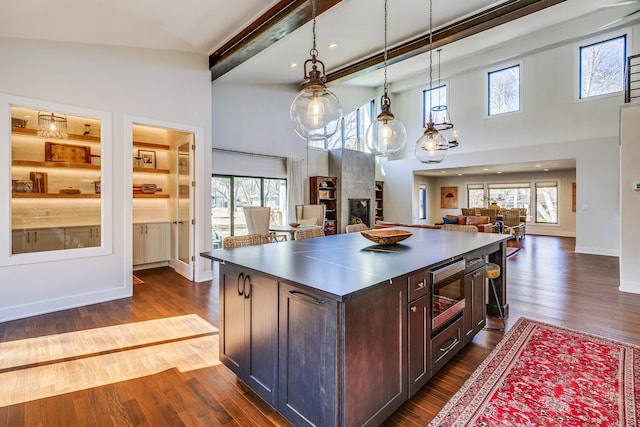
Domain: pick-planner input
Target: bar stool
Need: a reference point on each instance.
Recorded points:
(493, 272)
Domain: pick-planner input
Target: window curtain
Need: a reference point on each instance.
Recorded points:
(295, 181)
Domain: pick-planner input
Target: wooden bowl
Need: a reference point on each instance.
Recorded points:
(294, 224)
(386, 236)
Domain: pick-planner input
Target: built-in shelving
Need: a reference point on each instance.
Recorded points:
(150, 196)
(66, 165)
(72, 137)
(54, 196)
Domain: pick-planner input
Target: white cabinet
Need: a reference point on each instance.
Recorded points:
(81, 237)
(36, 240)
(151, 243)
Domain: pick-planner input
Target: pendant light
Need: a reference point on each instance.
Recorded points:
(442, 121)
(432, 146)
(315, 112)
(386, 135)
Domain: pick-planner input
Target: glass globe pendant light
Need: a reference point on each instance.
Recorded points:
(386, 135)
(315, 112)
(432, 146)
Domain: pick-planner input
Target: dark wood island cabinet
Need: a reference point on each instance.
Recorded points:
(335, 331)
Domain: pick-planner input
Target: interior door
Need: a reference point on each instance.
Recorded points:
(184, 223)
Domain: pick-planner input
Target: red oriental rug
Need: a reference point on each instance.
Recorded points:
(546, 375)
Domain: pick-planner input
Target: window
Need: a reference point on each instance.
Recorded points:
(511, 195)
(351, 133)
(602, 67)
(422, 202)
(547, 202)
(475, 196)
(431, 98)
(230, 193)
(504, 90)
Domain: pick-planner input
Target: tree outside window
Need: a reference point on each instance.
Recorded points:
(602, 67)
(504, 90)
(547, 202)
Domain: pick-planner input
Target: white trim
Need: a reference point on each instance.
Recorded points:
(631, 287)
(106, 176)
(597, 251)
(57, 304)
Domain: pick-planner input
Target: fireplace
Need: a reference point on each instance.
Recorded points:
(359, 211)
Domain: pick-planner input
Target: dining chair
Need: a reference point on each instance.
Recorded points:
(355, 228)
(307, 212)
(231, 242)
(512, 224)
(308, 233)
(468, 211)
(257, 218)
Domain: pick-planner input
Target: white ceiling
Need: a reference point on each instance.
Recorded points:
(204, 25)
(524, 167)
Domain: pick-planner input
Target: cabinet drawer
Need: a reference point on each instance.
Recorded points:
(474, 260)
(445, 345)
(418, 285)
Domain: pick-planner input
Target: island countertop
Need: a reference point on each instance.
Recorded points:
(343, 264)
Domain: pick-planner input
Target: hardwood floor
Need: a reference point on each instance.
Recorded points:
(142, 361)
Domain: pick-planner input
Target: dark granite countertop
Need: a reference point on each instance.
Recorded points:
(343, 264)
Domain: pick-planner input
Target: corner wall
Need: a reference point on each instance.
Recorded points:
(160, 85)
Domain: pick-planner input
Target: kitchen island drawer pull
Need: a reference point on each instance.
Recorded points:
(306, 297)
(454, 342)
(240, 277)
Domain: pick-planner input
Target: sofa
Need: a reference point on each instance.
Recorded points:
(480, 222)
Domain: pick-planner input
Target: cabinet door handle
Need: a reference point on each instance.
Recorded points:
(28, 237)
(454, 342)
(305, 297)
(240, 292)
(476, 274)
(421, 285)
(247, 295)
(35, 237)
(91, 233)
(414, 308)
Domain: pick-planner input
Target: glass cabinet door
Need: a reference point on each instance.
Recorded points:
(56, 198)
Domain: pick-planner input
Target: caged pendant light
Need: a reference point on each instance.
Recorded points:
(432, 146)
(386, 135)
(442, 119)
(315, 112)
(51, 125)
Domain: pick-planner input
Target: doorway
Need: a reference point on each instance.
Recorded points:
(163, 199)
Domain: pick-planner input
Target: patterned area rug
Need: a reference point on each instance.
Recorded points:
(545, 375)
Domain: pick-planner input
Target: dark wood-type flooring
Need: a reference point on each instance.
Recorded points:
(547, 282)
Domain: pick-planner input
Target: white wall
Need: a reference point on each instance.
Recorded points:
(160, 85)
(629, 199)
(553, 124)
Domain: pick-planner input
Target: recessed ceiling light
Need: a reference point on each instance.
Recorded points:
(293, 65)
(443, 171)
(537, 166)
(333, 45)
(498, 172)
(459, 174)
(485, 169)
(546, 170)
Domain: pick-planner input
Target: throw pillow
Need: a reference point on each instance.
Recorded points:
(447, 220)
(308, 222)
(477, 220)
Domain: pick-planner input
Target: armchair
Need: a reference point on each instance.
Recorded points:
(307, 212)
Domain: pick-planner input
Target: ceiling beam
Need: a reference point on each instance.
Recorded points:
(282, 19)
(492, 17)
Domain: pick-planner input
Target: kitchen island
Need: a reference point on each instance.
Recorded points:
(337, 331)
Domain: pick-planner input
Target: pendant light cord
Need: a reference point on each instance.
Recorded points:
(314, 51)
(430, 59)
(386, 86)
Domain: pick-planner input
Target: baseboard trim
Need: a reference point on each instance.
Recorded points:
(49, 306)
(631, 287)
(597, 251)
